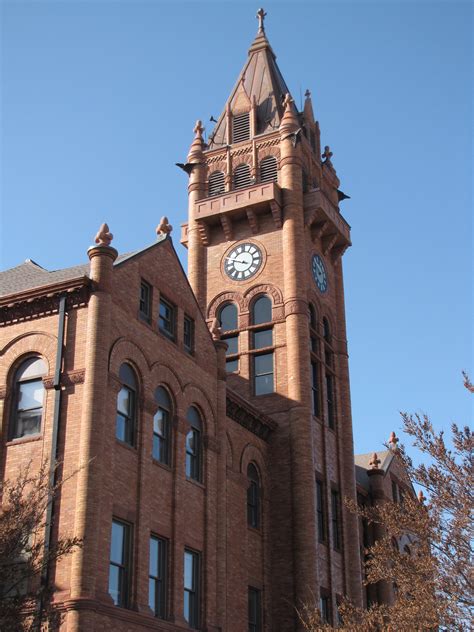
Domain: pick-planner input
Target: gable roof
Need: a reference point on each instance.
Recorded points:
(30, 275)
(259, 80)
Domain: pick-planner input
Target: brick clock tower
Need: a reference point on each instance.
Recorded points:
(265, 238)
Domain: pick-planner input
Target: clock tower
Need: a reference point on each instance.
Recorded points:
(266, 237)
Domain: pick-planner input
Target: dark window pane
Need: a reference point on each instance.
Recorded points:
(228, 317)
(191, 588)
(119, 563)
(125, 420)
(232, 366)
(254, 610)
(29, 395)
(114, 584)
(127, 376)
(262, 311)
(330, 400)
(194, 418)
(320, 509)
(145, 301)
(315, 388)
(117, 543)
(166, 320)
(162, 398)
(264, 384)
(188, 334)
(156, 577)
(336, 527)
(262, 339)
(264, 363)
(232, 345)
(161, 423)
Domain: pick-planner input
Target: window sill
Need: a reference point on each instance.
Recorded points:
(194, 482)
(164, 466)
(26, 439)
(168, 336)
(256, 530)
(126, 445)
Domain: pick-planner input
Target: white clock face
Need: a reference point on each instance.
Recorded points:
(243, 262)
(319, 273)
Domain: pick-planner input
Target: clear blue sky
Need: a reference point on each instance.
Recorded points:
(99, 100)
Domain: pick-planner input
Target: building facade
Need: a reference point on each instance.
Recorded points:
(203, 423)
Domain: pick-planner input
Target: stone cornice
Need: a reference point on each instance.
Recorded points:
(249, 417)
(44, 300)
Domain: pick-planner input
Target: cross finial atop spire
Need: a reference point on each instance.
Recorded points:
(307, 94)
(198, 129)
(261, 17)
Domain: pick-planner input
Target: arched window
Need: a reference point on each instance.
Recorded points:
(28, 398)
(262, 338)
(193, 445)
(216, 183)
(269, 169)
(228, 319)
(162, 426)
(253, 497)
(127, 405)
(242, 176)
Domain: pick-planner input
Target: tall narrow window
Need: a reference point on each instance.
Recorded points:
(162, 426)
(126, 406)
(336, 520)
(240, 127)
(253, 497)
(320, 510)
(216, 183)
(191, 588)
(119, 567)
(255, 609)
(167, 319)
(157, 576)
(242, 177)
(315, 388)
(330, 377)
(262, 338)
(269, 169)
(193, 445)
(188, 335)
(228, 318)
(145, 301)
(325, 607)
(28, 398)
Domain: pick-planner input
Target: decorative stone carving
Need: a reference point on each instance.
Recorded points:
(225, 297)
(3, 392)
(164, 227)
(104, 236)
(256, 423)
(327, 155)
(215, 329)
(34, 307)
(296, 306)
(374, 462)
(392, 442)
(266, 288)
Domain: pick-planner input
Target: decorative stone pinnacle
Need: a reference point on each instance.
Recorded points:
(327, 154)
(215, 329)
(421, 497)
(198, 129)
(261, 18)
(374, 462)
(392, 441)
(288, 100)
(307, 94)
(164, 227)
(104, 236)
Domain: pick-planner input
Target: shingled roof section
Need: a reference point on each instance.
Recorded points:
(30, 275)
(260, 79)
(362, 464)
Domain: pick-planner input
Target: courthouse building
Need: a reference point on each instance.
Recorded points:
(210, 412)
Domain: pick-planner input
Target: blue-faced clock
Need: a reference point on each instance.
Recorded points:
(319, 273)
(243, 262)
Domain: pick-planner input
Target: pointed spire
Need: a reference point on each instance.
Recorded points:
(308, 107)
(198, 144)
(260, 81)
(289, 122)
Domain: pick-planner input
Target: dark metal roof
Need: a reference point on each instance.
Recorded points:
(260, 79)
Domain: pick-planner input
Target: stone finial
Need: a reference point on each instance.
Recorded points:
(104, 236)
(288, 101)
(198, 129)
(421, 497)
(307, 94)
(164, 227)
(374, 462)
(327, 154)
(215, 329)
(392, 442)
(261, 19)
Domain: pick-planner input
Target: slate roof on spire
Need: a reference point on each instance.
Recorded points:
(260, 79)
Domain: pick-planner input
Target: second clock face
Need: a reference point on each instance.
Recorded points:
(319, 273)
(243, 262)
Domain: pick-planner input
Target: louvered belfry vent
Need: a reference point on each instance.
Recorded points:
(216, 183)
(240, 127)
(242, 177)
(269, 169)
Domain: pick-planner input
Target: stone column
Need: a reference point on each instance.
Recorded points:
(301, 439)
(196, 191)
(86, 527)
